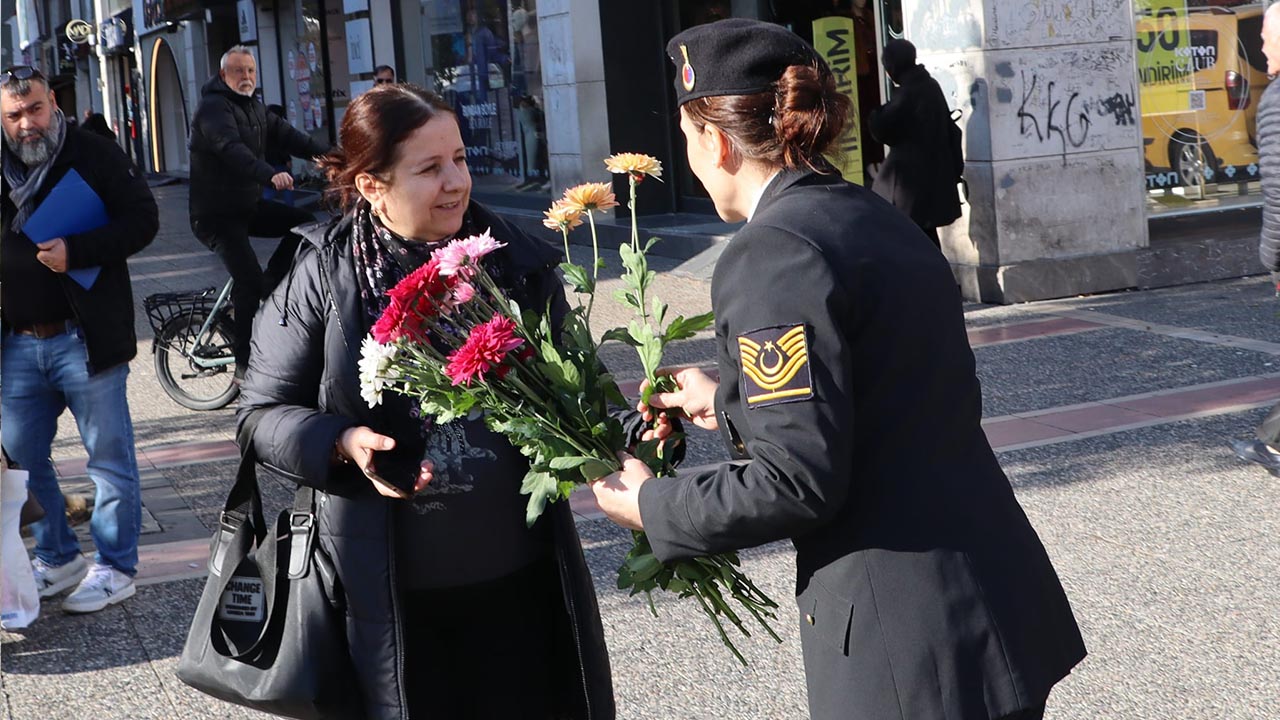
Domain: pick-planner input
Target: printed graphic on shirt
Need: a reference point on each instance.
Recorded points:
(448, 449)
(775, 365)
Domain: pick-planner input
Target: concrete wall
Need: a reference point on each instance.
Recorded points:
(573, 91)
(1053, 153)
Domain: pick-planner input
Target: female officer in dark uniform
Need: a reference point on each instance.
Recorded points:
(847, 380)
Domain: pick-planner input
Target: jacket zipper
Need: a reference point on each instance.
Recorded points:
(395, 616)
(567, 592)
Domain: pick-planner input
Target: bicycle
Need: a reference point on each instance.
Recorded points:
(194, 346)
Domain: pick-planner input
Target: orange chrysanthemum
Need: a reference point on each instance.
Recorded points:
(635, 164)
(562, 217)
(590, 196)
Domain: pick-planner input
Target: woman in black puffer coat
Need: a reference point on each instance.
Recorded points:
(454, 608)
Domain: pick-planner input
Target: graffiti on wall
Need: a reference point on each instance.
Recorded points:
(1034, 22)
(1064, 102)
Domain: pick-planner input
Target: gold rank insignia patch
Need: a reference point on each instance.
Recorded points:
(775, 365)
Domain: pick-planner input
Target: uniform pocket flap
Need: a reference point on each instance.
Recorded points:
(825, 616)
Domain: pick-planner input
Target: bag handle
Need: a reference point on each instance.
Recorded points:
(240, 533)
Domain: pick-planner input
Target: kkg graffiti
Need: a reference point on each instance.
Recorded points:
(1040, 114)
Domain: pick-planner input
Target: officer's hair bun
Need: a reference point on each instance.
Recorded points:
(809, 113)
(791, 127)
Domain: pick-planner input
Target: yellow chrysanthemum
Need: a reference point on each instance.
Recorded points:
(635, 164)
(562, 217)
(590, 196)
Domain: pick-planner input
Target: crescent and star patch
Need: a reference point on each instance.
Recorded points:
(775, 365)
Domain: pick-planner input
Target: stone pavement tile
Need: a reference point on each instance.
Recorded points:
(1013, 431)
(982, 316)
(1247, 392)
(1163, 540)
(1097, 416)
(1244, 306)
(674, 665)
(1016, 377)
(1028, 329)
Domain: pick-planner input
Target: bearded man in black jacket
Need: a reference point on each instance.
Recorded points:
(66, 307)
(230, 134)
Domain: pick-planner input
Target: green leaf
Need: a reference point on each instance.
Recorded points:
(652, 241)
(540, 487)
(650, 354)
(578, 278)
(594, 469)
(621, 335)
(682, 328)
(565, 463)
(659, 311)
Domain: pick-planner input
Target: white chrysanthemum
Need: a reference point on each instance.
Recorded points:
(377, 369)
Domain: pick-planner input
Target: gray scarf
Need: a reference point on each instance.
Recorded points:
(25, 182)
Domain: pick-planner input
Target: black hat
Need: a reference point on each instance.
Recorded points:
(734, 57)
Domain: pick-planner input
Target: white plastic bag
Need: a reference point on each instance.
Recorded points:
(19, 601)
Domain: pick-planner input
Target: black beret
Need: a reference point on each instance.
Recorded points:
(734, 57)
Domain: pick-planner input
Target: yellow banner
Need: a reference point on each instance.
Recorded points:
(1167, 59)
(833, 38)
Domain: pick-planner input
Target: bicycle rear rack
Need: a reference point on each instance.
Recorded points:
(164, 307)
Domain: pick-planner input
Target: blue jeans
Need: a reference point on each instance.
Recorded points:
(38, 380)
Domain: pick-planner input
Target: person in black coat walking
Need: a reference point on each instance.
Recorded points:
(458, 610)
(919, 173)
(848, 386)
(230, 134)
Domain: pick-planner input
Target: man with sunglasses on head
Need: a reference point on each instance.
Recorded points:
(67, 346)
(230, 134)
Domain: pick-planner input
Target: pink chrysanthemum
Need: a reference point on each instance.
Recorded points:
(485, 349)
(459, 255)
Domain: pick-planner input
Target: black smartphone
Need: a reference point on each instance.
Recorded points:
(395, 471)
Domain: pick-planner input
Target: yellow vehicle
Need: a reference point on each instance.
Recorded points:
(1218, 62)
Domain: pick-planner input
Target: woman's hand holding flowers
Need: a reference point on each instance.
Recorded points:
(618, 494)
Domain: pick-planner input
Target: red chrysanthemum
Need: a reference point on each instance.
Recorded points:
(485, 349)
(415, 300)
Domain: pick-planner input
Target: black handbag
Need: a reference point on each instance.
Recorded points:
(269, 631)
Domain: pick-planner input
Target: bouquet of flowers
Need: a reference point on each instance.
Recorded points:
(451, 339)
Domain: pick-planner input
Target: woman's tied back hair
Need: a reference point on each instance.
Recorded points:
(374, 126)
(790, 127)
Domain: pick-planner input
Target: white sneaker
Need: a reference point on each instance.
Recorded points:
(53, 579)
(103, 586)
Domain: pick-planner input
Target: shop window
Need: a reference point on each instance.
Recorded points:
(1201, 74)
(483, 58)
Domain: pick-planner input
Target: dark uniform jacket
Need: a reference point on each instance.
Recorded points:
(303, 382)
(918, 175)
(104, 311)
(229, 136)
(1269, 159)
(847, 380)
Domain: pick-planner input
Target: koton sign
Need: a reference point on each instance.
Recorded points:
(79, 31)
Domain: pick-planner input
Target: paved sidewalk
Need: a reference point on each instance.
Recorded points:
(1111, 415)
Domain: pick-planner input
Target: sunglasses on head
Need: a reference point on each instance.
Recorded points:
(19, 73)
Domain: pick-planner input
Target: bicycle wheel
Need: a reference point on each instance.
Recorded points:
(190, 385)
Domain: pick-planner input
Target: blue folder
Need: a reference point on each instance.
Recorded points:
(71, 207)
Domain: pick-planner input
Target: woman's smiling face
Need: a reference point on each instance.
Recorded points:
(429, 186)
